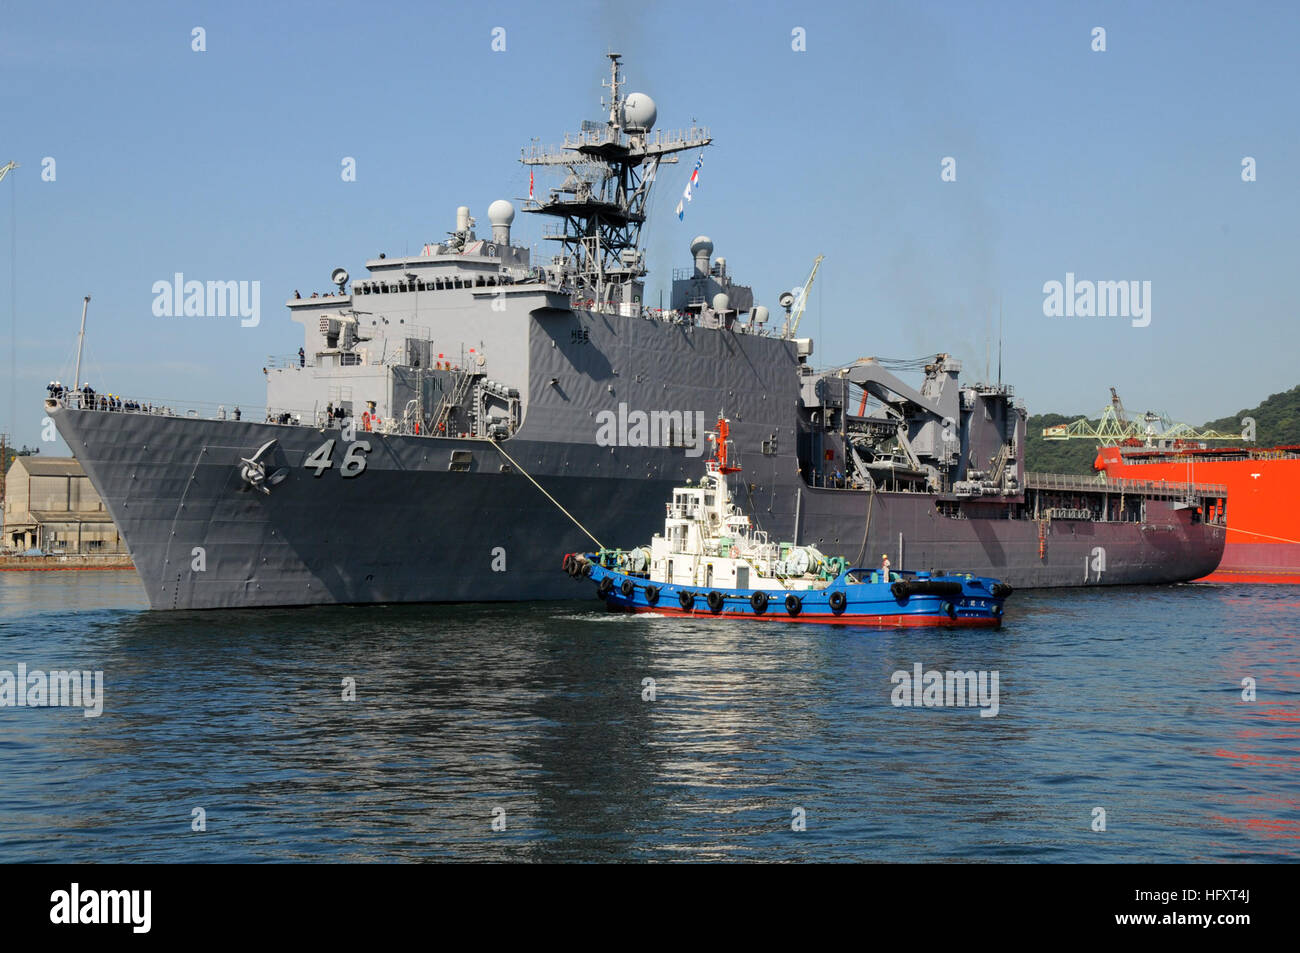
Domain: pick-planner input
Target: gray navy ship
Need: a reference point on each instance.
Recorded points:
(459, 419)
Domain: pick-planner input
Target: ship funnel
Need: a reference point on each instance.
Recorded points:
(501, 213)
(702, 248)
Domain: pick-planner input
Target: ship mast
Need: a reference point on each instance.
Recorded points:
(609, 169)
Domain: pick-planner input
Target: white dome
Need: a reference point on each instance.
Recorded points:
(639, 111)
(702, 243)
(501, 212)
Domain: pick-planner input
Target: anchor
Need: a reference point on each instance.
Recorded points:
(252, 470)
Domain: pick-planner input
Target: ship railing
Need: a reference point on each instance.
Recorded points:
(1074, 481)
(276, 361)
(316, 418)
(110, 402)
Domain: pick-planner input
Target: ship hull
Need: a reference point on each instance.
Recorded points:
(410, 528)
(1263, 538)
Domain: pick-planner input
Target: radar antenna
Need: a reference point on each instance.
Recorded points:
(609, 169)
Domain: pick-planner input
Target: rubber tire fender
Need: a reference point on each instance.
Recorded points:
(604, 587)
(758, 602)
(651, 595)
(793, 605)
(627, 587)
(715, 601)
(686, 599)
(838, 600)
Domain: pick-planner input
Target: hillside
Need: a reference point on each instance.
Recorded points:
(1056, 456)
(1277, 422)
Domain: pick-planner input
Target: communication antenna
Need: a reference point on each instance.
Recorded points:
(81, 340)
(999, 342)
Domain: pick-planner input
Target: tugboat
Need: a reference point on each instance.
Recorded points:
(711, 560)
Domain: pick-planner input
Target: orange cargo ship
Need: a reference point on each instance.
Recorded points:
(1263, 543)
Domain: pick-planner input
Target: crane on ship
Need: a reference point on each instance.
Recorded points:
(6, 169)
(798, 300)
(1115, 428)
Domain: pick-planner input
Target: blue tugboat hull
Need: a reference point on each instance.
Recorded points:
(907, 600)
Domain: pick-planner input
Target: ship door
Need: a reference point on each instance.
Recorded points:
(670, 572)
(708, 576)
(742, 577)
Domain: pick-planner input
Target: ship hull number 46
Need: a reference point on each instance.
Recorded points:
(354, 461)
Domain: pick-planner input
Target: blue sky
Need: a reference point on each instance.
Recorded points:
(1115, 165)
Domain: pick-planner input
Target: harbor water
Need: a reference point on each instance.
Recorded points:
(1124, 728)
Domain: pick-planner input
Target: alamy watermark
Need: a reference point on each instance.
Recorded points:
(935, 689)
(127, 907)
(1098, 299)
(212, 299)
(37, 689)
(656, 428)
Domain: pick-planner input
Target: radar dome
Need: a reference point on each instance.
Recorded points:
(702, 244)
(721, 302)
(501, 212)
(639, 111)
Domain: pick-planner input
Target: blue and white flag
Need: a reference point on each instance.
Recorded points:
(691, 183)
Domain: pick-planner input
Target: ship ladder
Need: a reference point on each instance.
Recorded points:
(451, 402)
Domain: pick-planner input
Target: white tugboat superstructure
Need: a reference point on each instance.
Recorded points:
(709, 541)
